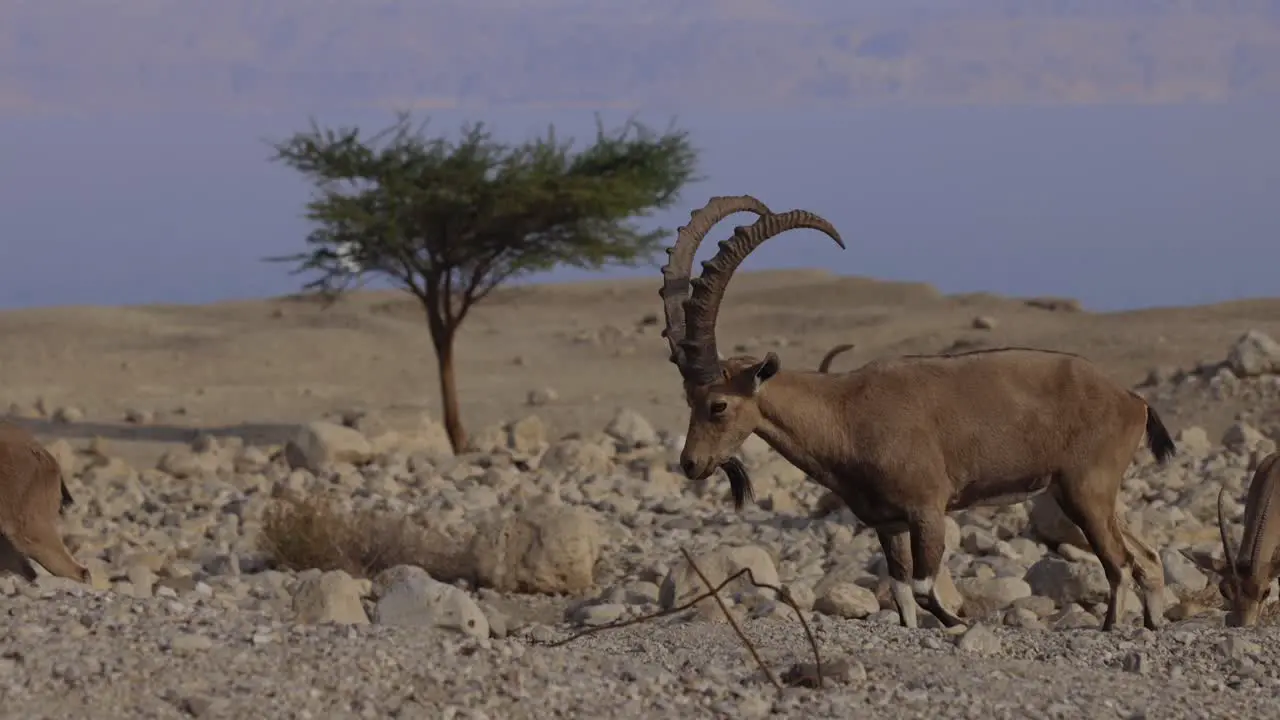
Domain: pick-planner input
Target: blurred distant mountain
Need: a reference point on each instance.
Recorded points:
(78, 55)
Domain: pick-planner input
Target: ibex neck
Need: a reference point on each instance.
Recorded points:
(804, 421)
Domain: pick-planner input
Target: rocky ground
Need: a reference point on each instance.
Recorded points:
(541, 535)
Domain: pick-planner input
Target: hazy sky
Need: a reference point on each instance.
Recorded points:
(1118, 207)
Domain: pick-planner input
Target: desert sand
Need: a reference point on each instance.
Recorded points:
(257, 367)
(187, 618)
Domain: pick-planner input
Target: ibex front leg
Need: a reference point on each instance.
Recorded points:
(897, 557)
(928, 530)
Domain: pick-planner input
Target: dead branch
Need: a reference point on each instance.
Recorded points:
(713, 592)
(751, 647)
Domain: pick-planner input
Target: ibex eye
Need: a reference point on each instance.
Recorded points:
(718, 407)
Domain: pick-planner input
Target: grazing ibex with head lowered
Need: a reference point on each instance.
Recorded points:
(1246, 573)
(903, 441)
(32, 496)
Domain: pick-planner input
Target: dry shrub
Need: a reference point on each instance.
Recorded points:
(315, 532)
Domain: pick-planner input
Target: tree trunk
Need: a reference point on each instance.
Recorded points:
(449, 392)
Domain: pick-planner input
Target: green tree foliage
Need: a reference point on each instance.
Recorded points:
(450, 220)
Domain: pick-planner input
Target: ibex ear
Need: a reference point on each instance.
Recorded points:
(766, 368)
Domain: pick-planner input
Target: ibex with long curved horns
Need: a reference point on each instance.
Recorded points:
(903, 441)
(1246, 573)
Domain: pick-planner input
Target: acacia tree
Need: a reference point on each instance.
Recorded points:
(451, 220)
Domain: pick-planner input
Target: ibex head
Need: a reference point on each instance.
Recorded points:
(1245, 585)
(724, 412)
(723, 394)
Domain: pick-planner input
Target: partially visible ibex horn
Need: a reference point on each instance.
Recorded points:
(831, 355)
(1228, 552)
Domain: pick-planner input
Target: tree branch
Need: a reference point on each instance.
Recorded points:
(713, 592)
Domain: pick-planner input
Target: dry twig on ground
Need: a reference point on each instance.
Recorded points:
(713, 592)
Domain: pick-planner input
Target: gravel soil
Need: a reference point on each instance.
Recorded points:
(75, 653)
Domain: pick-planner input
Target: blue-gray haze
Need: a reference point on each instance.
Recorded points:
(1120, 207)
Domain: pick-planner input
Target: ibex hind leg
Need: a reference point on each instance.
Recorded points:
(1087, 505)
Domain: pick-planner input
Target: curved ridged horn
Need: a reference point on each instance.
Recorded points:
(831, 355)
(703, 306)
(1228, 552)
(677, 272)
